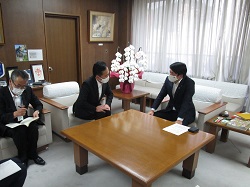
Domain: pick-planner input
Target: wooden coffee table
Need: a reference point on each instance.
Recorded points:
(214, 129)
(127, 98)
(135, 143)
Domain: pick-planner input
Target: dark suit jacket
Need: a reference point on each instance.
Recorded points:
(182, 100)
(88, 98)
(7, 106)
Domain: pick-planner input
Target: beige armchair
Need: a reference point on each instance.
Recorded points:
(59, 99)
(8, 148)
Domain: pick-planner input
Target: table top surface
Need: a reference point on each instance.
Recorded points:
(135, 143)
(128, 96)
(224, 126)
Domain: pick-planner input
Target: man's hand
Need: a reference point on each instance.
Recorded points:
(102, 108)
(178, 122)
(151, 112)
(36, 114)
(20, 112)
(106, 107)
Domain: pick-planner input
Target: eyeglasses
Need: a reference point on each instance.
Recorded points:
(18, 86)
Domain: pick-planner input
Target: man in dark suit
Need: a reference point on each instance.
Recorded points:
(16, 179)
(180, 89)
(94, 100)
(14, 102)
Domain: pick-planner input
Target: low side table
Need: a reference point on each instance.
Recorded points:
(214, 129)
(127, 98)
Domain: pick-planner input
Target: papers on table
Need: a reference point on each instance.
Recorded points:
(176, 129)
(8, 168)
(245, 116)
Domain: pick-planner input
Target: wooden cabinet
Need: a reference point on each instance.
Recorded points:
(38, 91)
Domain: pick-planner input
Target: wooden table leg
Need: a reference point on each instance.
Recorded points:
(224, 135)
(189, 165)
(126, 104)
(137, 184)
(210, 147)
(81, 159)
(142, 103)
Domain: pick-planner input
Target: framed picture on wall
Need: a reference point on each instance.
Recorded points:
(8, 71)
(2, 41)
(101, 26)
(30, 80)
(37, 72)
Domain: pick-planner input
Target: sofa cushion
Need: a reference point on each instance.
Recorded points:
(151, 84)
(6, 142)
(140, 82)
(66, 100)
(74, 120)
(154, 77)
(60, 89)
(233, 107)
(229, 89)
(207, 94)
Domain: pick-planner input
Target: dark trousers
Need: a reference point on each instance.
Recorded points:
(98, 115)
(171, 115)
(17, 179)
(168, 115)
(25, 139)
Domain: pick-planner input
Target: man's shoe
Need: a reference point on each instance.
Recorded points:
(39, 161)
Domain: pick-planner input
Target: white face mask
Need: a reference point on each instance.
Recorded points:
(172, 78)
(105, 80)
(17, 91)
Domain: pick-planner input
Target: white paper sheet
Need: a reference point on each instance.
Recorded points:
(8, 168)
(176, 129)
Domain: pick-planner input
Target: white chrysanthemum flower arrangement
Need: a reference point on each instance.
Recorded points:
(132, 66)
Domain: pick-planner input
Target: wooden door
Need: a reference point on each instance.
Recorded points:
(62, 44)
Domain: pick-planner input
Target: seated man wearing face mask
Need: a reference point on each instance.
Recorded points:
(14, 102)
(180, 89)
(95, 97)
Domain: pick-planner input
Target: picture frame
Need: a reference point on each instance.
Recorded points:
(101, 26)
(30, 80)
(8, 71)
(37, 72)
(2, 39)
(2, 70)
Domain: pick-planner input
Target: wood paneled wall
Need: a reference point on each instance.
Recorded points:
(23, 23)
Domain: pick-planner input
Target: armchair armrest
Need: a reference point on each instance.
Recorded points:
(212, 108)
(209, 112)
(54, 103)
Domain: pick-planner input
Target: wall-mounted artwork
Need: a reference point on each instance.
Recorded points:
(101, 26)
(37, 71)
(21, 53)
(2, 40)
(35, 54)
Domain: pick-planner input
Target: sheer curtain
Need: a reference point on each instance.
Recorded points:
(211, 36)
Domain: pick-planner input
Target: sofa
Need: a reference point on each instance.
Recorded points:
(59, 99)
(234, 94)
(210, 98)
(8, 148)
